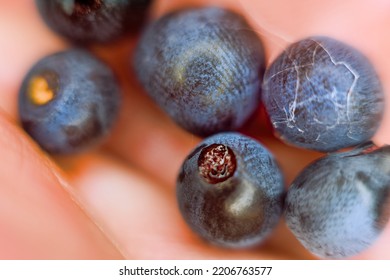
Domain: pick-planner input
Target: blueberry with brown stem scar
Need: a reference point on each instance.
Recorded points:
(230, 191)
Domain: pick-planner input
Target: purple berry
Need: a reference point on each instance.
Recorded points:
(204, 67)
(230, 191)
(324, 95)
(93, 21)
(68, 101)
(338, 205)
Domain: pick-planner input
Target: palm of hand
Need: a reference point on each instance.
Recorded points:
(119, 202)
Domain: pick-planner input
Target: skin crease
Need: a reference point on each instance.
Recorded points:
(134, 174)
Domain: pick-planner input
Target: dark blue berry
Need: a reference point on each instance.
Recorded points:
(338, 206)
(204, 67)
(93, 21)
(230, 190)
(68, 101)
(324, 95)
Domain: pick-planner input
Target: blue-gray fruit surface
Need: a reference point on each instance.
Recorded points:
(338, 206)
(203, 67)
(94, 21)
(324, 95)
(230, 191)
(68, 101)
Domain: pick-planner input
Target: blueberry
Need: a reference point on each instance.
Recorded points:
(338, 205)
(68, 101)
(230, 191)
(93, 21)
(324, 95)
(204, 67)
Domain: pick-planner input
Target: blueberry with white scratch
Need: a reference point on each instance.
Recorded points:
(324, 95)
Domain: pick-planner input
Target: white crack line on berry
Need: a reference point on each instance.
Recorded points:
(353, 85)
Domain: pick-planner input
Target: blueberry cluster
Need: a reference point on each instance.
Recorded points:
(324, 95)
(205, 67)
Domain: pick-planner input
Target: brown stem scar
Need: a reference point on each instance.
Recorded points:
(216, 163)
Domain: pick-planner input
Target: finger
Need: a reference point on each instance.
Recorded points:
(39, 219)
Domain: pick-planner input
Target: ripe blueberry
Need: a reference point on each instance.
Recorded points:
(324, 95)
(68, 101)
(339, 204)
(203, 67)
(90, 21)
(230, 190)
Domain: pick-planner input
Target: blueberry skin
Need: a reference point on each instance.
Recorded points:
(338, 205)
(81, 107)
(241, 207)
(93, 21)
(324, 95)
(204, 67)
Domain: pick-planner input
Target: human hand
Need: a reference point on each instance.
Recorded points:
(119, 201)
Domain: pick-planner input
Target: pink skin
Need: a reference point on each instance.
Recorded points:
(119, 201)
